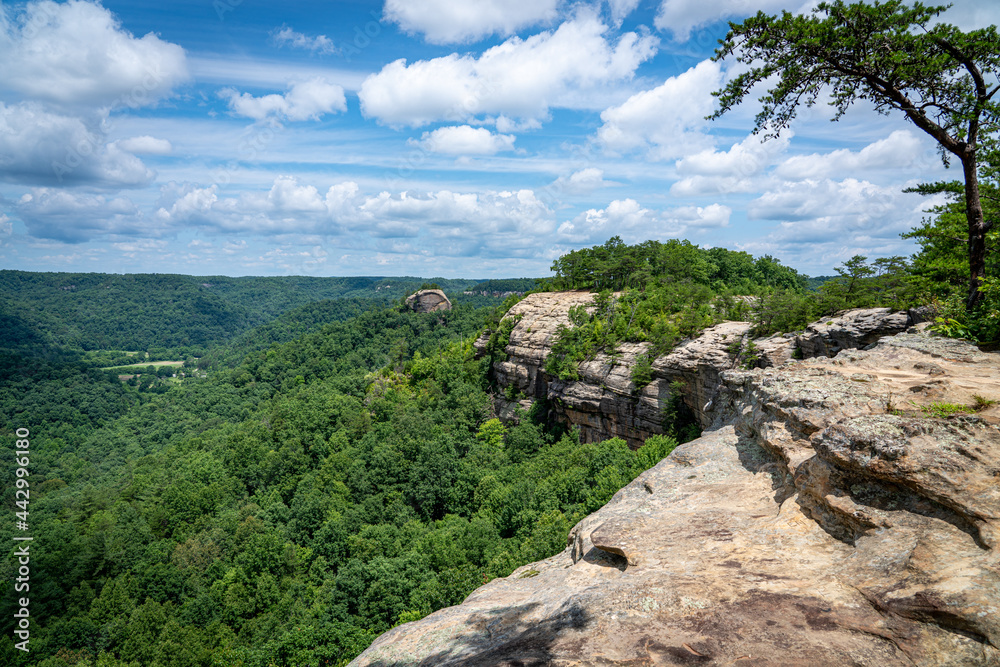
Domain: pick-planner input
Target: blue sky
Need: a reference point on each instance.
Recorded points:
(452, 138)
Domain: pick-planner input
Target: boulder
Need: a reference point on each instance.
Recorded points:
(851, 329)
(428, 301)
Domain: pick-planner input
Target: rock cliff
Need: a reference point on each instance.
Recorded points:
(830, 515)
(604, 403)
(428, 301)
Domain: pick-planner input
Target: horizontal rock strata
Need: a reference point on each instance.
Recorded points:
(604, 403)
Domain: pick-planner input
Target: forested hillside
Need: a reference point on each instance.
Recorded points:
(292, 504)
(187, 314)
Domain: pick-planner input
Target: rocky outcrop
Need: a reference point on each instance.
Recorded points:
(428, 301)
(827, 517)
(851, 329)
(604, 402)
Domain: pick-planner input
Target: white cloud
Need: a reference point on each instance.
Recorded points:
(680, 17)
(320, 44)
(747, 158)
(900, 149)
(77, 53)
(145, 145)
(621, 8)
(626, 218)
(518, 78)
(860, 201)
(504, 223)
(821, 223)
(465, 140)
(6, 226)
(456, 21)
(307, 100)
(669, 120)
(580, 182)
(44, 148)
(735, 170)
(70, 217)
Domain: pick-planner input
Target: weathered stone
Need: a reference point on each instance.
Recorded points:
(428, 301)
(851, 329)
(822, 520)
(604, 402)
(775, 350)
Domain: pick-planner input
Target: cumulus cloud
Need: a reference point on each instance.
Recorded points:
(72, 217)
(631, 221)
(480, 219)
(77, 53)
(580, 182)
(736, 170)
(667, 121)
(456, 21)
(465, 140)
(862, 202)
(621, 8)
(680, 17)
(43, 148)
(145, 145)
(307, 100)
(519, 78)
(899, 150)
(821, 223)
(320, 44)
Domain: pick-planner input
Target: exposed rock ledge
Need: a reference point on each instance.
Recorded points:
(806, 527)
(604, 403)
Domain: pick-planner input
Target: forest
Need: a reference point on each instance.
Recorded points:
(339, 468)
(329, 474)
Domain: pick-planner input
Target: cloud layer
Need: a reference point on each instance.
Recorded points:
(518, 78)
(457, 21)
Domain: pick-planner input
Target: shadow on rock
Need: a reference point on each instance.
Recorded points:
(505, 638)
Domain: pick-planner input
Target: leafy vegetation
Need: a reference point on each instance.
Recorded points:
(899, 58)
(290, 506)
(185, 314)
(503, 286)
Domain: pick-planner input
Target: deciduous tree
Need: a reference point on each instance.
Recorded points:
(891, 54)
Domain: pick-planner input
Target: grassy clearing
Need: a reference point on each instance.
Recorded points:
(156, 364)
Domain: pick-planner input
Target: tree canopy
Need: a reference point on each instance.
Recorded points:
(893, 55)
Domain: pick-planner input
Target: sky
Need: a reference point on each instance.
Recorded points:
(452, 138)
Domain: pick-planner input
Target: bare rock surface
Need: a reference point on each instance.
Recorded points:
(428, 301)
(604, 402)
(851, 329)
(826, 518)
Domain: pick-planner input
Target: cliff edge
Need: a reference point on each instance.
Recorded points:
(837, 511)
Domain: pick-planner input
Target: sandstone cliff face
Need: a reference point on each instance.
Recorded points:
(604, 403)
(428, 301)
(823, 519)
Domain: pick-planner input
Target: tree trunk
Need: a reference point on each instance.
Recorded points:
(977, 229)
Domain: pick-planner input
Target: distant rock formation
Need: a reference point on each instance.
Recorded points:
(428, 301)
(830, 515)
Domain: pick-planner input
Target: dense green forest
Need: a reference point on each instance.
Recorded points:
(182, 314)
(506, 285)
(338, 471)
